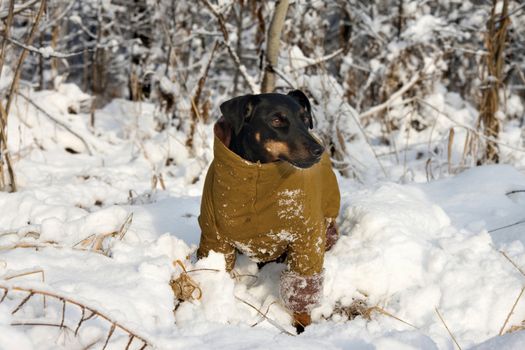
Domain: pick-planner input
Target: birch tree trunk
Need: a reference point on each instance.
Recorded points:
(273, 44)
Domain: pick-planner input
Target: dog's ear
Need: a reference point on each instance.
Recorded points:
(301, 98)
(237, 111)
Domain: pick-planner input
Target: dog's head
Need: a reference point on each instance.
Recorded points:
(274, 127)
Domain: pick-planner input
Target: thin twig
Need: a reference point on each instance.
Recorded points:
(5, 150)
(241, 68)
(393, 97)
(511, 311)
(42, 51)
(272, 322)
(316, 61)
(27, 273)
(4, 296)
(386, 313)
(18, 9)
(22, 58)
(472, 130)
(62, 124)
(448, 330)
(265, 314)
(26, 299)
(515, 191)
(40, 324)
(131, 337)
(111, 330)
(282, 75)
(33, 291)
(516, 10)
(507, 226)
(7, 28)
(511, 261)
(449, 149)
(83, 319)
(63, 313)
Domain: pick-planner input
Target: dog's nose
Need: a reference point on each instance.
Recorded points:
(316, 150)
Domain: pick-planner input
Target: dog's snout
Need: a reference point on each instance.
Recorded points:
(316, 150)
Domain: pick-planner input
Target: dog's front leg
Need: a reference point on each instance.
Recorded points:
(300, 294)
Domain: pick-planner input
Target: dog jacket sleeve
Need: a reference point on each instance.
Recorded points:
(210, 238)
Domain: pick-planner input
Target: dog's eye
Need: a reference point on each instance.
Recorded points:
(279, 121)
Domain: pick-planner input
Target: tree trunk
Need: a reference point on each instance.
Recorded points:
(273, 44)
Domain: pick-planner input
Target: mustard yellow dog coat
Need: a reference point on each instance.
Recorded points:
(265, 210)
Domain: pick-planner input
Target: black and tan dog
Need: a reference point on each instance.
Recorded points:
(271, 191)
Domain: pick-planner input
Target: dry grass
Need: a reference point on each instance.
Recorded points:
(521, 326)
(511, 312)
(448, 329)
(496, 38)
(93, 243)
(360, 308)
(184, 287)
(449, 149)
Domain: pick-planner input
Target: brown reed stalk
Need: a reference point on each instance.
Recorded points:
(495, 40)
(448, 330)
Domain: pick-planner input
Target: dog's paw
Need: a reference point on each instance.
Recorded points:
(301, 320)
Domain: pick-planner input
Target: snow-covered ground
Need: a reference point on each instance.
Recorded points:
(407, 251)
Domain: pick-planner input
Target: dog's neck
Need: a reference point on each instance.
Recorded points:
(240, 146)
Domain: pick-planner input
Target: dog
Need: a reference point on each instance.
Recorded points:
(271, 192)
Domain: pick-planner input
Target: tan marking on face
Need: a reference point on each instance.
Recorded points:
(277, 149)
(258, 136)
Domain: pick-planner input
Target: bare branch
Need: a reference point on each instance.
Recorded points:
(470, 129)
(9, 22)
(309, 62)
(511, 311)
(446, 327)
(393, 97)
(43, 51)
(5, 151)
(62, 124)
(26, 299)
(272, 322)
(33, 291)
(22, 58)
(17, 9)
(242, 69)
(111, 330)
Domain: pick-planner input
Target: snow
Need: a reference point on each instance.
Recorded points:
(407, 247)
(423, 28)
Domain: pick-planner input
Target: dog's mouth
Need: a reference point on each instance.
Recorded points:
(302, 163)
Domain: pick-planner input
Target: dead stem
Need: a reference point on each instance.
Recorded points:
(511, 311)
(272, 322)
(26, 299)
(386, 313)
(131, 337)
(33, 291)
(511, 261)
(111, 330)
(448, 330)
